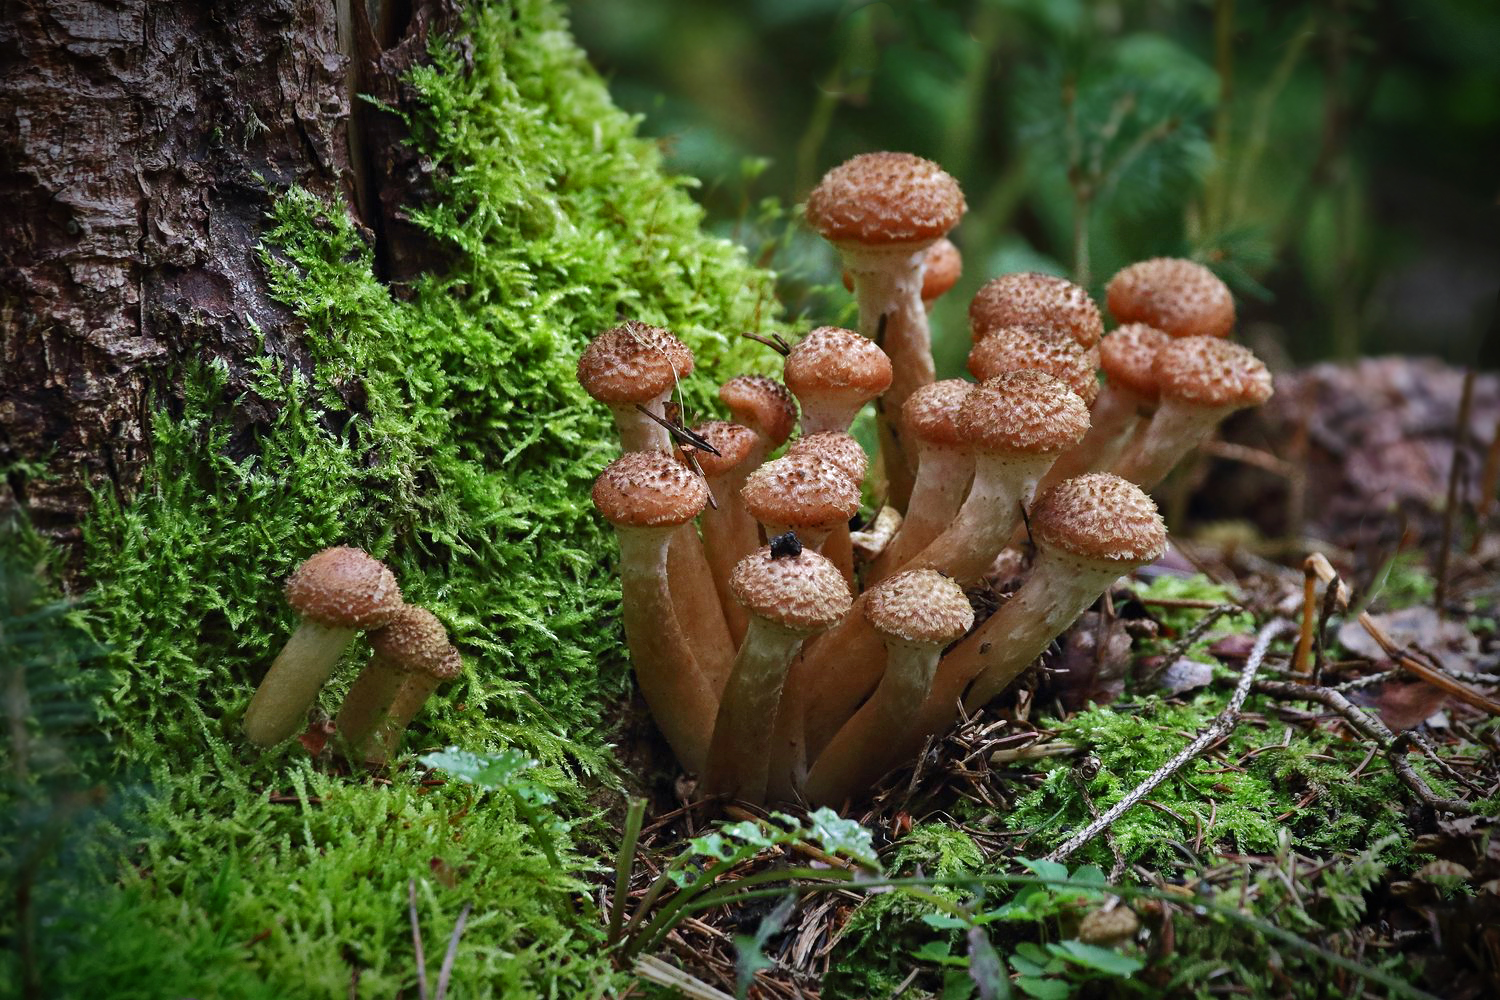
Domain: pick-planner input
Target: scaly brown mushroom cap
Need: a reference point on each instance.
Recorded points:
(1128, 357)
(837, 447)
(800, 491)
(1179, 297)
(733, 442)
(885, 198)
(920, 606)
(1026, 411)
(415, 640)
(1029, 297)
(802, 592)
(1100, 518)
(943, 267)
(633, 363)
(1209, 372)
(1039, 348)
(931, 413)
(647, 489)
(830, 358)
(344, 587)
(762, 404)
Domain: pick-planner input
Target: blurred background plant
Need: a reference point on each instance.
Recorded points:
(1333, 161)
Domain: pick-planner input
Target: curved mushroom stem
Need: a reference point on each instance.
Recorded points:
(729, 535)
(279, 708)
(382, 744)
(695, 602)
(1114, 417)
(1003, 486)
(368, 699)
(943, 477)
(870, 743)
(1175, 429)
(739, 758)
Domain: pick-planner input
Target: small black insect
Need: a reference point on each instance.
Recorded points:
(786, 546)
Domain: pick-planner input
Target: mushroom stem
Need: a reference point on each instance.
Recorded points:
(368, 699)
(1114, 417)
(695, 602)
(412, 695)
(729, 535)
(638, 432)
(943, 476)
(279, 708)
(1003, 485)
(1175, 429)
(738, 762)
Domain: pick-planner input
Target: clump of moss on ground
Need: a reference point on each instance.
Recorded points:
(465, 462)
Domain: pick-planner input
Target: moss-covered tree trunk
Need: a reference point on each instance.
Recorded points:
(141, 147)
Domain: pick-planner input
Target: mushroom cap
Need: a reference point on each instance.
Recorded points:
(837, 447)
(344, 587)
(645, 489)
(878, 199)
(1128, 357)
(734, 442)
(1207, 371)
(803, 592)
(931, 413)
(800, 491)
(1030, 297)
(1179, 297)
(833, 359)
(943, 267)
(762, 404)
(415, 640)
(1040, 348)
(1024, 411)
(633, 363)
(920, 605)
(1101, 518)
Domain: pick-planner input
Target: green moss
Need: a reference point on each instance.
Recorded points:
(444, 432)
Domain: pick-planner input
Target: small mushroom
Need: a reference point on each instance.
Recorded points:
(942, 266)
(414, 647)
(1031, 298)
(801, 493)
(1038, 348)
(338, 592)
(833, 373)
(1179, 297)
(765, 406)
(635, 366)
(843, 451)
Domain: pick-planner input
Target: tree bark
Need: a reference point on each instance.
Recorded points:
(143, 143)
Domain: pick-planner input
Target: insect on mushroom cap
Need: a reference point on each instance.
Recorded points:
(648, 489)
(1207, 371)
(920, 606)
(1100, 518)
(1035, 298)
(415, 640)
(344, 587)
(762, 404)
(1042, 348)
(800, 491)
(733, 442)
(1028, 412)
(804, 591)
(832, 358)
(1179, 297)
(1128, 357)
(837, 447)
(877, 199)
(633, 363)
(931, 413)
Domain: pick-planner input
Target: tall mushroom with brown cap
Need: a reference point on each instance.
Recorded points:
(1046, 349)
(843, 451)
(419, 643)
(1032, 298)
(338, 592)
(942, 266)
(790, 595)
(1089, 532)
(765, 406)
(945, 466)
(1201, 381)
(647, 497)
(729, 530)
(882, 211)
(833, 373)
(1179, 297)
(801, 493)
(412, 640)
(635, 365)
(917, 614)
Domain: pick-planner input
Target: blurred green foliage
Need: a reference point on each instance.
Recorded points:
(1333, 161)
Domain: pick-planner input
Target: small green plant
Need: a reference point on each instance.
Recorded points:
(506, 773)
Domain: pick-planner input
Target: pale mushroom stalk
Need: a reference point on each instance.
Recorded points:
(917, 613)
(412, 643)
(366, 702)
(638, 432)
(695, 602)
(790, 595)
(729, 531)
(1115, 416)
(1175, 429)
(419, 686)
(338, 592)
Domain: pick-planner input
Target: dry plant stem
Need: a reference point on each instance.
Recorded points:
(279, 708)
(368, 699)
(681, 700)
(943, 476)
(1450, 507)
(729, 535)
(739, 758)
(1220, 728)
(1371, 728)
(1174, 430)
(697, 606)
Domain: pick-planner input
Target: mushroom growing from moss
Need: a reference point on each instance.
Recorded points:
(412, 640)
(338, 592)
(417, 643)
(633, 367)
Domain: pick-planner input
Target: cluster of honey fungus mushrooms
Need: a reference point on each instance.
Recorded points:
(784, 658)
(340, 592)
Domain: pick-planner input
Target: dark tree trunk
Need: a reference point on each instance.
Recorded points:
(142, 144)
